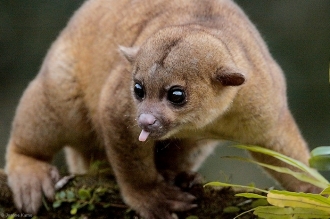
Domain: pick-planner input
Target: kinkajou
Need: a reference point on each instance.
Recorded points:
(150, 86)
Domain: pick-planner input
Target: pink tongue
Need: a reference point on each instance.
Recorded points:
(144, 135)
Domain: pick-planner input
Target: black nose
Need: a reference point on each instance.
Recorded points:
(148, 122)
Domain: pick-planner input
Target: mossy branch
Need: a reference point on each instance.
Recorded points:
(97, 196)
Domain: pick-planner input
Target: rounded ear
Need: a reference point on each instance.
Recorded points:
(129, 52)
(230, 76)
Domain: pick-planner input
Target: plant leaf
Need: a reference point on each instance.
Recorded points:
(326, 191)
(320, 151)
(62, 195)
(220, 184)
(275, 154)
(288, 160)
(231, 209)
(192, 217)
(70, 195)
(273, 212)
(259, 202)
(84, 194)
(91, 207)
(250, 195)
(301, 200)
(73, 211)
(57, 204)
(321, 162)
(309, 213)
(305, 177)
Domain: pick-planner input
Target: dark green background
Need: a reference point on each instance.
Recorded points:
(296, 31)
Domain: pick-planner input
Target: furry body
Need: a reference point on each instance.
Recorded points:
(86, 97)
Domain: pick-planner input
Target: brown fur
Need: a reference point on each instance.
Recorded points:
(82, 98)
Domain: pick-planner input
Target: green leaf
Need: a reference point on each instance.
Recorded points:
(295, 163)
(84, 194)
(321, 162)
(305, 213)
(70, 195)
(326, 191)
(221, 184)
(259, 202)
(62, 195)
(57, 204)
(73, 211)
(273, 212)
(250, 195)
(320, 151)
(277, 155)
(305, 177)
(231, 209)
(91, 207)
(298, 200)
(192, 217)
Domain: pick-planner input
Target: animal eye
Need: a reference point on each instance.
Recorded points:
(139, 91)
(176, 96)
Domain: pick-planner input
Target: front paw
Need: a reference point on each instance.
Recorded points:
(184, 179)
(158, 201)
(29, 179)
(188, 179)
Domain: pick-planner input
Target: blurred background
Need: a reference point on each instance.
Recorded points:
(296, 31)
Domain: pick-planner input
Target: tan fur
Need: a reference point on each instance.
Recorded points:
(83, 98)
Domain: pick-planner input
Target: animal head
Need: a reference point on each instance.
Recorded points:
(183, 79)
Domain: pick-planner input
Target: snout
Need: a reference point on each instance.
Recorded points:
(149, 125)
(149, 122)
